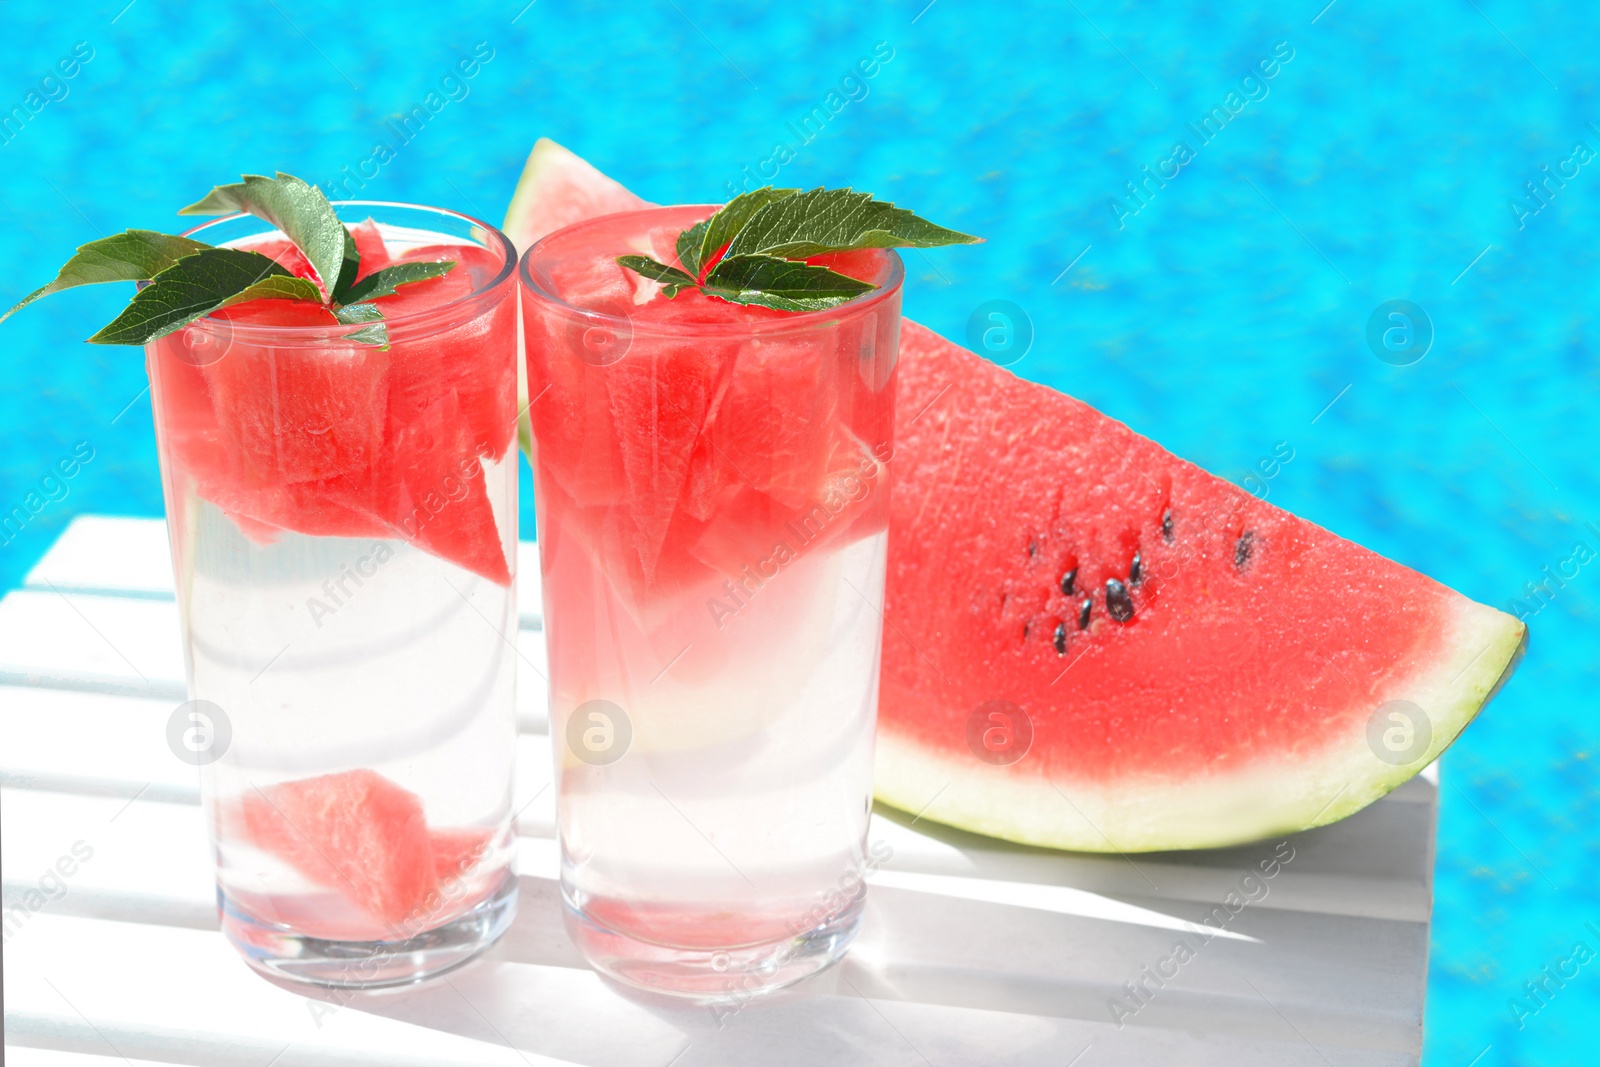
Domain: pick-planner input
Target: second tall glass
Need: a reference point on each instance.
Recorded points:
(711, 483)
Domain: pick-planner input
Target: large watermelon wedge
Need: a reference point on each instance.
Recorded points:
(1197, 667)
(1092, 644)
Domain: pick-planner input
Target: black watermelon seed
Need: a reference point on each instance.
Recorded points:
(1067, 581)
(1166, 525)
(1118, 604)
(1061, 639)
(1083, 613)
(1242, 547)
(1033, 549)
(1136, 571)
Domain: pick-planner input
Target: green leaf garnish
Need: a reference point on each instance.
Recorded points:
(836, 220)
(359, 313)
(190, 279)
(672, 278)
(755, 245)
(700, 242)
(133, 256)
(383, 282)
(788, 285)
(293, 206)
(197, 285)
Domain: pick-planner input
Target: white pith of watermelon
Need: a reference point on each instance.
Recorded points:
(1149, 743)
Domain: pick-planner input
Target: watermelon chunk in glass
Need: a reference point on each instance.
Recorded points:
(457, 850)
(352, 440)
(354, 832)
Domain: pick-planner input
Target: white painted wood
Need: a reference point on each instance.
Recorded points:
(973, 950)
(105, 554)
(129, 557)
(97, 643)
(23, 1056)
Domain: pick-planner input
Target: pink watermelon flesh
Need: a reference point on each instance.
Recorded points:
(1225, 698)
(365, 838)
(691, 453)
(354, 832)
(458, 850)
(369, 242)
(355, 441)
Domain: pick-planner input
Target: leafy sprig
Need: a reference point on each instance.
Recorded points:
(753, 250)
(188, 280)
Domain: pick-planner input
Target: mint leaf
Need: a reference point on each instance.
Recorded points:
(673, 278)
(349, 267)
(197, 285)
(367, 335)
(298, 209)
(383, 282)
(764, 236)
(132, 256)
(836, 220)
(780, 283)
(700, 242)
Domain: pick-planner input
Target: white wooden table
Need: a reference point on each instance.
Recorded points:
(973, 951)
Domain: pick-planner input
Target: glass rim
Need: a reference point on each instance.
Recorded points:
(340, 331)
(791, 321)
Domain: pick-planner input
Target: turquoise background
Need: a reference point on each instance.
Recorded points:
(1223, 318)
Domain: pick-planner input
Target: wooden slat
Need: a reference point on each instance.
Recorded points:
(108, 555)
(105, 555)
(99, 644)
(23, 1056)
(95, 643)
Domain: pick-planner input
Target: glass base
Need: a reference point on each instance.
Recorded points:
(724, 979)
(279, 953)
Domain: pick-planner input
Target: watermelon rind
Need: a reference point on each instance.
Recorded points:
(1231, 807)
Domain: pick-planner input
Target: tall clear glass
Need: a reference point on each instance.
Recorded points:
(712, 487)
(343, 527)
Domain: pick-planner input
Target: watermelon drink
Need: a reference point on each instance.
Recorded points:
(711, 482)
(342, 516)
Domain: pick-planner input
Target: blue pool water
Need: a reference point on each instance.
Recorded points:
(1224, 316)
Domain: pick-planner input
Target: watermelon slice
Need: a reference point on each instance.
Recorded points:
(1198, 667)
(1232, 661)
(362, 836)
(355, 832)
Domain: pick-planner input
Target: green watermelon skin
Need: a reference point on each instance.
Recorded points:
(1233, 702)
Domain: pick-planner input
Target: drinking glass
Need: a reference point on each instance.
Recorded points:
(342, 516)
(711, 483)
